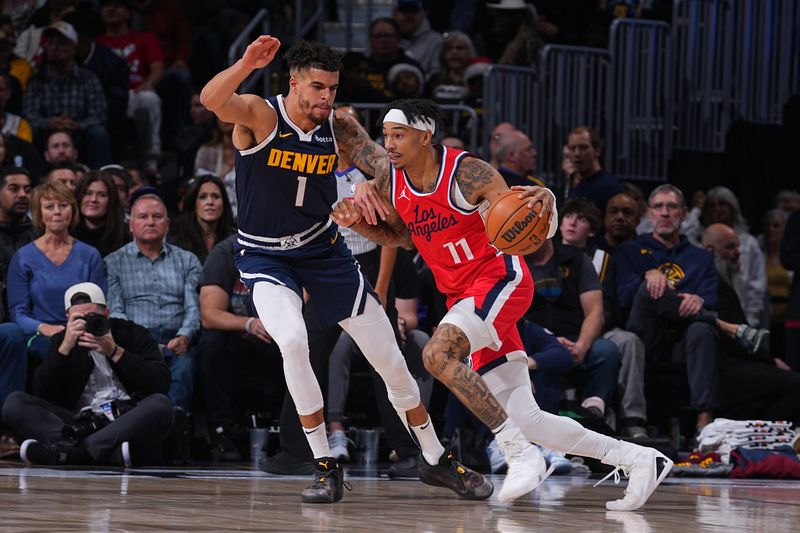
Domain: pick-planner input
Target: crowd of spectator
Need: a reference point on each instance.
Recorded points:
(645, 304)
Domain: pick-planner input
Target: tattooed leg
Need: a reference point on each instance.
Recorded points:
(444, 358)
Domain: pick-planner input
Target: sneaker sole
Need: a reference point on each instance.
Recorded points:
(506, 498)
(23, 451)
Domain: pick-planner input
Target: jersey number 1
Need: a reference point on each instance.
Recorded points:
(301, 191)
(451, 247)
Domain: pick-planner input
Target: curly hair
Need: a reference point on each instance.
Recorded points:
(586, 209)
(313, 54)
(414, 109)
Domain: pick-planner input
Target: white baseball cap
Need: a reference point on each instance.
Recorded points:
(84, 293)
(64, 28)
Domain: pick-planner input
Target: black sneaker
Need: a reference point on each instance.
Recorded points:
(285, 464)
(329, 483)
(34, 452)
(222, 447)
(453, 475)
(405, 467)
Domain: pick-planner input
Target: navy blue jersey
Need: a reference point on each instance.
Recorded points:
(285, 185)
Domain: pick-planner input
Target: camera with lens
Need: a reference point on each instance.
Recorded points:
(97, 324)
(83, 424)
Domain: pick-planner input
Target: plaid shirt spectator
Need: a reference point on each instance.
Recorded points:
(79, 95)
(155, 294)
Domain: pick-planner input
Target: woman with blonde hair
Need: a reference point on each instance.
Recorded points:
(42, 271)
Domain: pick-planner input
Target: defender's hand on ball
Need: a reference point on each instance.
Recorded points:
(536, 195)
(346, 213)
(369, 199)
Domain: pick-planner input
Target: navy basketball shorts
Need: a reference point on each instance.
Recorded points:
(325, 267)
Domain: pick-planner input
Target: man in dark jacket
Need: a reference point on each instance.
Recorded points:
(790, 257)
(16, 229)
(99, 396)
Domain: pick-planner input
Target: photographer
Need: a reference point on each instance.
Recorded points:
(99, 395)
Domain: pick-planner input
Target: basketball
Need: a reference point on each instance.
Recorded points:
(512, 227)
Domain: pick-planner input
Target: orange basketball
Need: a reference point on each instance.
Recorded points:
(512, 227)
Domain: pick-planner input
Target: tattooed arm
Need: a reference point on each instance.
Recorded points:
(371, 159)
(390, 231)
(478, 180)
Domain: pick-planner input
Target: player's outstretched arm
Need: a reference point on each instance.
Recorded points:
(219, 94)
(371, 159)
(479, 181)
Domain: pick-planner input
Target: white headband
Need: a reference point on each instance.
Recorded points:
(422, 124)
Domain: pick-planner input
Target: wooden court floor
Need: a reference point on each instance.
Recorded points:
(50, 500)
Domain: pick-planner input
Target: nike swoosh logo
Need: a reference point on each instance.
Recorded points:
(310, 432)
(428, 423)
(284, 135)
(333, 239)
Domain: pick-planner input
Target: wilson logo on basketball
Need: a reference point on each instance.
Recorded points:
(518, 228)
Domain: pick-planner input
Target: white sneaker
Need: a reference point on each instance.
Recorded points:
(497, 459)
(337, 442)
(526, 469)
(645, 467)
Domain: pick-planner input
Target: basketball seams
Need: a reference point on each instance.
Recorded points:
(521, 240)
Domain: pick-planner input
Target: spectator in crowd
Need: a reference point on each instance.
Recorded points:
(498, 132)
(385, 52)
(513, 39)
(788, 201)
(16, 229)
(548, 360)
(620, 221)
(31, 26)
(568, 301)
(170, 314)
(790, 258)
(101, 223)
(60, 147)
(722, 206)
(13, 369)
(217, 157)
(94, 365)
(585, 149)
(18, 70)
(65, 96)
(110, 69)
(405, 81)
(14, 152)
(206, 218)
(516, 158)
(41, 271)
(758, 386)
(449, 84)
(166, 19)
(580, 222)
(124, 182)
(12, 124)
(416, 36)
(670, 287)
(142, 51)
(233, 337)
(64, 172)
(197, 132)
(354, 80)
(453, 141)
(779, 279)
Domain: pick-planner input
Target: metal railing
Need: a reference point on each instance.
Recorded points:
(238, 46)
(302, 23)
(638, 129)
(508, 92)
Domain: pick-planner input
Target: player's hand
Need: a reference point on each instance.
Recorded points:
(690, 306)
(346, 213)
(370, 200)
(656, 283)
(536, 195)
(260, 52)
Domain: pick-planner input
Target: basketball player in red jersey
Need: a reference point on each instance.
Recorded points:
(433, 197)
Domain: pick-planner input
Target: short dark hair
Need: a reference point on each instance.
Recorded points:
(386, 20)
(594, 136)
(58, 165)
(585, 208)
(415, 108)
(313, 54)
(12, 171)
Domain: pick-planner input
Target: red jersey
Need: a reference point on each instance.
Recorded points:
(139, 49)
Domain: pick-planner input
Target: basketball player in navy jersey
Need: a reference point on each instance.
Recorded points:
(433, 196)
(285, 185)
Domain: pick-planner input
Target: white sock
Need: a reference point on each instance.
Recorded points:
(507, 432)
(318, 440)
(432, 449)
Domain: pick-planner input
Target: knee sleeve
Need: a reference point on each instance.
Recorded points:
(280, 311)
(374, 336)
